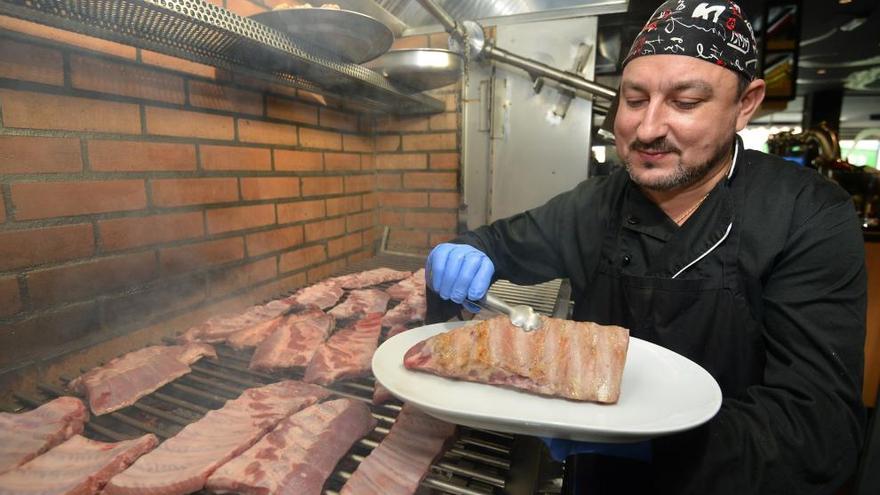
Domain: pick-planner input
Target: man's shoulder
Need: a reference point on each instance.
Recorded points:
(783, 179)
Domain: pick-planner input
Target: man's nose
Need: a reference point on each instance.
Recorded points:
(653, 125)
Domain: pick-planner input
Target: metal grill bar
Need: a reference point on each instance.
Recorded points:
(202, 32)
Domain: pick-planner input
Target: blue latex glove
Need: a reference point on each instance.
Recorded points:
(459, 272)
(561, 448)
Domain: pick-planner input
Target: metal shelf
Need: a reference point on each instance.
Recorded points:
(202, 32)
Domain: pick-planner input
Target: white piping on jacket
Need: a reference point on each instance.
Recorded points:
(729, 226)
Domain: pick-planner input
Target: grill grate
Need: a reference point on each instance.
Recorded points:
(202, 32)
(478, 463)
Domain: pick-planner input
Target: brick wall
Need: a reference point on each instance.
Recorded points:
(135, 186)
(417, 163)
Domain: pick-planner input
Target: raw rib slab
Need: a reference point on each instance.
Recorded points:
(298, 456)
(569, 359)
(220, 328)
(323, 295)
(400, 463)
(26, 435)
(348, 353)
(361, 302)
(124, 380)
(78, 466)
(410, 310)
(370, 277)
(294, 341)
(414, 284)
(183, 463)
(254, 334)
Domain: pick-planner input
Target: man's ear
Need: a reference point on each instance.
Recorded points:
(750, 102)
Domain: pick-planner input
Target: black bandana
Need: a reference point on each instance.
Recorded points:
(714, 31)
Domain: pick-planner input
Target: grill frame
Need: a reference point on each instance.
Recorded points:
(480, 462)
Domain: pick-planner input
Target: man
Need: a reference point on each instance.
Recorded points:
(738, 260)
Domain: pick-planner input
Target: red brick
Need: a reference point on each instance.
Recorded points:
(125, 233)
(401, 124)
(235, 158)
(26, 62)
(407, 238)
(391, 218)
(360, 183)
(311, 97)
(368, 162)
(284, 109)
(184, 192)
(323, 271)
(139, 156)
(169, 122)
(301, 258)
(359, 221)
(419, 41)
(45, 111)
(372, 235)
(369, 201)
(239, 218)
(439, 40)
(347, 244)
(300, 211)
(444, 121)
(342, 161)
(10, 298)
(177, 64)
(298, 160)
(199, 256)
(444, 200)
(27, 248)
(68, 37)
(321, 186)
(316, 231)
(254, 188)
(421, 142)
(429, 220)
(31, 155)
(404, 199)
(387, 143)
(439, 237)
(360, 256)
(430, 180)
(450, 101)
(239, 277)
(409, 161)
(76, 198)
(274, 240)
(244, 8)
(45, 334)
(444, 161)
(105, 76)
(226, 98)
(152, 302)
(389, 181)
(313, 138)
(89, 279)
(338, 120)
(2, 210)
(255, 131)
(345, 204)
(357, 143)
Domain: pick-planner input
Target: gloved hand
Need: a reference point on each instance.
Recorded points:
(459, 272)
(561, 448)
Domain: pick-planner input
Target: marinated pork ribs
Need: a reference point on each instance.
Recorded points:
(361, 302)
(26, 435)
(415, 283)
(370, 277)
(293, 342)
(574, 360)
(323, 295)
(400, 463)
(220, 328)
(78, 466)
(124, 380)
(183, 463)
(348, 353)
(299, 455)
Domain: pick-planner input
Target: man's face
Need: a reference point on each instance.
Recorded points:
(676, 120)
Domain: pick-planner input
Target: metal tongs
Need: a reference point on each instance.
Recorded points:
(521, 316)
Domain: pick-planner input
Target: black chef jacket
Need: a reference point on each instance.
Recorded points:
(764, 286)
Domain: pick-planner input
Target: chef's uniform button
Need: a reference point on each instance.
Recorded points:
(626, 259)
(632, 220)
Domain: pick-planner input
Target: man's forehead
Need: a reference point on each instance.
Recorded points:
(675, 72)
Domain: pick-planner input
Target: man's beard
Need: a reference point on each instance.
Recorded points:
(682, 176)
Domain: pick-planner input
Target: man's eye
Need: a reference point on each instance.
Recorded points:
(686, 105)
(635, 103)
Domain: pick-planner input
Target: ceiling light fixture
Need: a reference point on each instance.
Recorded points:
(821, 71)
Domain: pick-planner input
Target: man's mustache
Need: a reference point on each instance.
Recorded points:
(656, 146)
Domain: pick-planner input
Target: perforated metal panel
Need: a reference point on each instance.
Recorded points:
(202, 32)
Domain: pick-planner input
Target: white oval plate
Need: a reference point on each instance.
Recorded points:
(661, 393)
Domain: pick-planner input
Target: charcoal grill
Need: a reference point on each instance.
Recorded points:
(480, 462)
